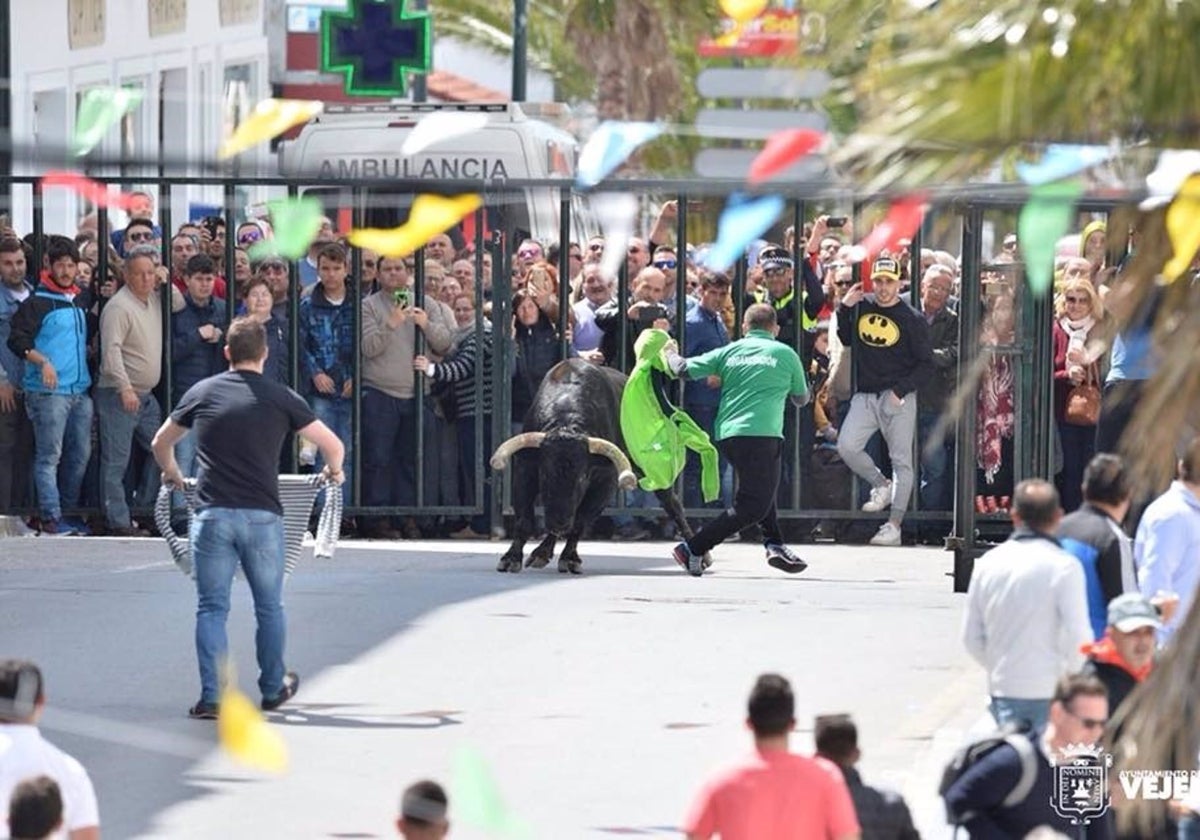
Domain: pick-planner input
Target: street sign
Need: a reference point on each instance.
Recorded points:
(733, 124)
(734, 164)
(762, 83)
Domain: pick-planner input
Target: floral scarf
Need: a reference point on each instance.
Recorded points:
(995, 417)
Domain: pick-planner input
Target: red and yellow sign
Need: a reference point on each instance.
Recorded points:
(772, 33)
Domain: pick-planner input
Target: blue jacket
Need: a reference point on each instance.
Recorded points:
(326, 341)
(12, 364)
(192, 357)
(704, 331)
(59, 328)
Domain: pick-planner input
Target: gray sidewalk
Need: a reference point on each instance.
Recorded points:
(600, 702)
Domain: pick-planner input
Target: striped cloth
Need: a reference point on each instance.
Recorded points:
(296, 494)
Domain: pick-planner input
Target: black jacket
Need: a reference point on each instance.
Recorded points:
(1116, 679)
(193, 358)
(537, 349)
(943, 339)
(1089, 526)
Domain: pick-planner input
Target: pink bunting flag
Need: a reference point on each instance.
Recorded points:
(902, 221)
(783, 148)
(93, 191)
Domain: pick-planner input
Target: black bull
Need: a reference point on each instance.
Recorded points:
(571, 456)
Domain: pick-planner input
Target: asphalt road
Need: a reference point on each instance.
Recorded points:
(599, 703)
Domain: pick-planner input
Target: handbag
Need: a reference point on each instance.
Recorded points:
(1083, 401)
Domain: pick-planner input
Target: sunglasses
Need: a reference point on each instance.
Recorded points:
(1090, 723)
(249, 237)
(528, 252)
(1077, 300)
(663, 265)
(596, 246)
(844, 284)
(141, 237)
(774, 272)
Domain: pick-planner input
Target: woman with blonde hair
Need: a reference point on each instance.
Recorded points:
(1077, 383)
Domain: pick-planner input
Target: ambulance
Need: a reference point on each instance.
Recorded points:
(518, 142)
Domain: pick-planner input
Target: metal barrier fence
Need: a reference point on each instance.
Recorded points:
(496, 231)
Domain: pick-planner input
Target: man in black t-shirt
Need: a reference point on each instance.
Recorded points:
(240, 419)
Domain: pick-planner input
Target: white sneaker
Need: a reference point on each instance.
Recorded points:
(888, 534)
(881, 499)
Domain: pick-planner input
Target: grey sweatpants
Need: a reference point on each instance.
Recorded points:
(871, 412)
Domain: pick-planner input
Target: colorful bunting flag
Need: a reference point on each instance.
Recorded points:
(610, 145)
(1045, 218)
(1061, 160)
(93, 191)
(430, 215)
(902, 221)
(440, 126)
(742, 221)
(1183, 226)
(99, 110)
(245, 734)
(271, 118)
(783, 148)
(295, 222)
(616, 213)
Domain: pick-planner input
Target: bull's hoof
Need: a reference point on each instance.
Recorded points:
(538, 559)
(707, 561)
(509, 564)
(566, 564)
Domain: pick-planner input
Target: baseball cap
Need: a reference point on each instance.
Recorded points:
(885, 267)
(773, 256)
(1132, 611)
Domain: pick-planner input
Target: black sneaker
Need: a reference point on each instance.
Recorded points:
(204, 711)
(783, 558)
(692, 562)
(291, 684)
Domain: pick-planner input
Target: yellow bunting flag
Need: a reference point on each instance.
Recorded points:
(743, 11)
(245, 734)
(431, 215)
(1183, 226)
(271, 118)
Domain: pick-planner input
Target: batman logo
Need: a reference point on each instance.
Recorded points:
(878, 330)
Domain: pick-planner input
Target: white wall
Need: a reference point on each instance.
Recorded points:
(46, 70)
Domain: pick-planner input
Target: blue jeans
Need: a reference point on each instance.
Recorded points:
(62, 431)
(389, 438)
(935, 483)
(185, 457)
(336, 414)
(118, 431)
(1013, 709)
(222, 539)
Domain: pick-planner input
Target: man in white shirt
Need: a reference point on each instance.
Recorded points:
(1027, 614)
(24, 753)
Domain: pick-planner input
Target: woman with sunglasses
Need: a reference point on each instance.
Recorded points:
(1077, 325)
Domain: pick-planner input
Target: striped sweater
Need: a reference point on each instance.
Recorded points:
(459, 369)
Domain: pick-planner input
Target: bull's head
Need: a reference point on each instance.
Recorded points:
(563, 474)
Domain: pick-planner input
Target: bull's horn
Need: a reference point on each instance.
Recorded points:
(531, 440)
(626, 480)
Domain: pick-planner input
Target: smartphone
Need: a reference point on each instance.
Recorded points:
(401, 297)
(211, 223)
(650, 314)
(836, 222)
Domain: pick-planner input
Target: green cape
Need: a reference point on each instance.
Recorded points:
(657, 434)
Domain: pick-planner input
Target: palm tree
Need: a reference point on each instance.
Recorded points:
(944, 90)
(633, 58)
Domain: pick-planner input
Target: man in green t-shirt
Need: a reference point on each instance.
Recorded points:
(757, 375)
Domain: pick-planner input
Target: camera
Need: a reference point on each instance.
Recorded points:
(211, 223)
(650, 314)
(401, 296)
(836, 222)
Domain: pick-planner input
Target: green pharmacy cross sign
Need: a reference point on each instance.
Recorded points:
(376, 44)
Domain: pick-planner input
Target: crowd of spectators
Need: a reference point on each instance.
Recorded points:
(88, 368)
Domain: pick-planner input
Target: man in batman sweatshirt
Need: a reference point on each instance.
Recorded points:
(892, 359)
